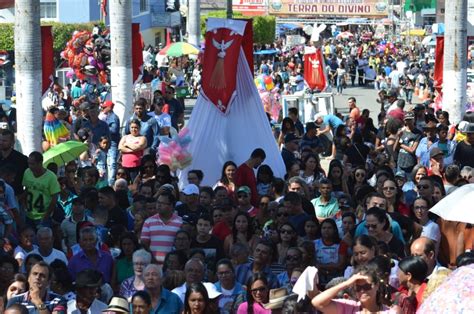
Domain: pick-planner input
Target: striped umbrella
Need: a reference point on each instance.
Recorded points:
(179, 49)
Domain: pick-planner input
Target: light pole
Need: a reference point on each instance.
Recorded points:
(194, 13)
(28, 75)
(121, 57)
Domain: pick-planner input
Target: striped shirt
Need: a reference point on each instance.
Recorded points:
(161, 235)
(54, 302)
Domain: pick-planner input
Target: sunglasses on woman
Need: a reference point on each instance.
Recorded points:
(364, 287)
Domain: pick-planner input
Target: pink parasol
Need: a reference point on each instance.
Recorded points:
(454, 295)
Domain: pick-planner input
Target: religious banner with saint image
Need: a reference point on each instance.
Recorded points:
(223, 44)
(314, 70)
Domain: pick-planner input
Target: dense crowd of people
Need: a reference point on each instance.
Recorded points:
(112, 231)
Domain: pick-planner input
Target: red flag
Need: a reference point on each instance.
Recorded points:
(168, 37)
(223, 43)
(47, 55)
(137, 51)
(314, 70)
(103, 7)
(439, 62)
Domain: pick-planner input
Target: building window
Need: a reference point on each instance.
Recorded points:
(48, 10)
(143, 6)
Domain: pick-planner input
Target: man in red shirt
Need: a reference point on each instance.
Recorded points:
(245, 176)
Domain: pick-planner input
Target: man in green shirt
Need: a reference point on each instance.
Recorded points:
(41, 190)
(326, 206)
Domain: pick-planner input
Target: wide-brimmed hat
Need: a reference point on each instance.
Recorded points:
(435, 151)
(276, 299)
(88, 278)
(469, 128)
(211, 290)
(118, 304)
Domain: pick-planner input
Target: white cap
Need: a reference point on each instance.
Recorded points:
(191, 189)
(211, 290)
(317, 116)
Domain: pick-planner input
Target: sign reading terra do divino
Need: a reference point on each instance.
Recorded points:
(354, 8)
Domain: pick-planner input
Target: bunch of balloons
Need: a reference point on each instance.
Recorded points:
(88, 54)
(269, 94)
(174, 151)
(264, 82)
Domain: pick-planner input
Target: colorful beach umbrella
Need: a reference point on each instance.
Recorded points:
(345, 35)
(63, 153)
(179, 49)
(454, 295)
(53, 129)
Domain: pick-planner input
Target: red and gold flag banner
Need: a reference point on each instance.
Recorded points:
(223, 45)
(314, 70)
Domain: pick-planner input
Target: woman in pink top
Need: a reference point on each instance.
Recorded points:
(369, 290)
(131, 146)
(257, 295)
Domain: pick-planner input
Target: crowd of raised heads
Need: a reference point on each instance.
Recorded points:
(116, 231)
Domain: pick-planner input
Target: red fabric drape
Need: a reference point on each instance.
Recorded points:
(103, 7)
(47, 55)
(137, 50)
(247, 43)
(4, 4)
(439, 62)
(168, 37)
(314, 70)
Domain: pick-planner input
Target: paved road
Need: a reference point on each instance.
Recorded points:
(365, 100)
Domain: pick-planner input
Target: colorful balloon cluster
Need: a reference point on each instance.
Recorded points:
(269, 94)
(264, 82)
(88, 54)
(174, 151)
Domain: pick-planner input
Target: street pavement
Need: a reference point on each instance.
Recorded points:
(365, 97)
(365, 100)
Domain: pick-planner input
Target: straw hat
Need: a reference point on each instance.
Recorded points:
(277, 297)
(119, 305)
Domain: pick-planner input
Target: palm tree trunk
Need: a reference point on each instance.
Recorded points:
(455, 59)
(121, 57)
(194, 16)
(28, 74)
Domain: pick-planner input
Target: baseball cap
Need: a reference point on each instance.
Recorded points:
(419, 107)
(435, 151)
(409, 115)
(191, 189)
(88, 278)
(392, 93)
(290, 137)
(83, 134)
(85, 106)
(311, 126)
(400, 174)
(243, 189)
(189, 220)
(107, 103)
(317, 116)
